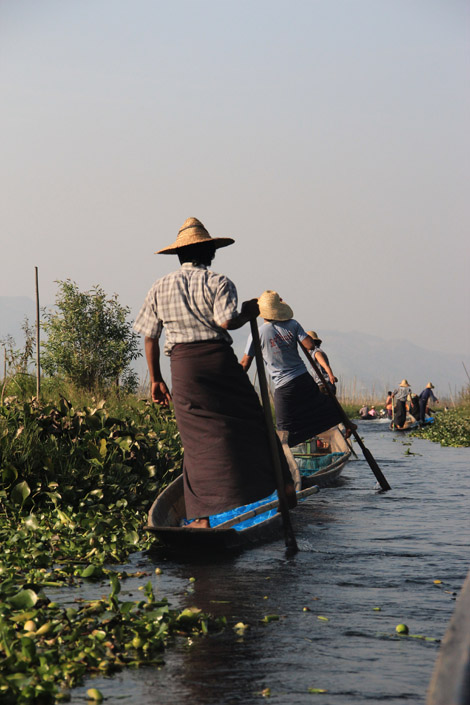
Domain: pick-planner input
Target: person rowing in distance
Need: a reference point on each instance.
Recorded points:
(327, 379)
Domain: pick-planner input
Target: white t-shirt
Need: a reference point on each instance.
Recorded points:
(279, 347)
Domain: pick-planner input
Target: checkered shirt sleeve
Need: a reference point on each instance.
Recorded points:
(147, 322)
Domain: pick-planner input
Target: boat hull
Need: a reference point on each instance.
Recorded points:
(166, 519)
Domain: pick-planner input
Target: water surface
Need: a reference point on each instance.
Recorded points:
(359, 550)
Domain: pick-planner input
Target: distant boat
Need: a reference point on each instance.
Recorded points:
(411, 423)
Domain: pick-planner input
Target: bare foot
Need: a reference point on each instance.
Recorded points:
(200, 524)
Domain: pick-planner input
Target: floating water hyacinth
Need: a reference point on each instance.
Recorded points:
(401, 629)
(94, 694)
(269, 618)
(240, 628)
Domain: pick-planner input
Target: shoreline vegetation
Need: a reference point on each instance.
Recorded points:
(75, 487)
(77, 477)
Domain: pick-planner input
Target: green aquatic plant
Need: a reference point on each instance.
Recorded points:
(450, 428)
(75, 488)
(46, 649)
(55, 454)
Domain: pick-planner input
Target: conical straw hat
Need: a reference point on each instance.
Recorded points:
(404, 383)
(192, 232)
(429, 385)
(272, 307)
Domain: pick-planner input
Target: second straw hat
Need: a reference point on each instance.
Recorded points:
(272, 307)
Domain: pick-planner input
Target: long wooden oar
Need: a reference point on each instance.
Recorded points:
(291, 543)
(366, 452)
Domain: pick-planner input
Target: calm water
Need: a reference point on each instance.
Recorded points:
(359, 549)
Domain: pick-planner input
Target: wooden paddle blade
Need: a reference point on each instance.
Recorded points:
(375, 468)
(291, 546)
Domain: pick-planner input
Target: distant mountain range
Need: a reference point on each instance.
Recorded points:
(364, 364)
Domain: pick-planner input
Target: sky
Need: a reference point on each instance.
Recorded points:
(329, 138)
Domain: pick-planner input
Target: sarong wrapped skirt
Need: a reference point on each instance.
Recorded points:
(302, 410)
(220, 419)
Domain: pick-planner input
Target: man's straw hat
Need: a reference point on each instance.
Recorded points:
(314, 336)
(192, 232)
(404, 383)
(429, 386)
(272, 307)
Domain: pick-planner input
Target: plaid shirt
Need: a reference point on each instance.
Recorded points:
(191, 304)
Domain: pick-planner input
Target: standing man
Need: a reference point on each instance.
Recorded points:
(321, 358)
(300, 408)
(400, 396)
(219, 416)
(424, 399)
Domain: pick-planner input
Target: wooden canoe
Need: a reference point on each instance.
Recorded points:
(322, 467)
(231, 531)
(411, 424)
(245, 526)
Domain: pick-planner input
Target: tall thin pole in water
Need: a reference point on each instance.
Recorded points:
(38, 327)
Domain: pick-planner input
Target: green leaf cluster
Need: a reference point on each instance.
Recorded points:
(55, 455)
(450, 428)
(46, 649)
(75, 488)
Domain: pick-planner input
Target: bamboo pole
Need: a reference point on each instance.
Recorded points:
(38, 327)
(290, 541)
(4, 382)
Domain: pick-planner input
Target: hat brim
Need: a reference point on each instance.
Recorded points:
(281, 312)
(218, 242)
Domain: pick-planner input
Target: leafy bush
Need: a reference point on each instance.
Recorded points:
(89, 339)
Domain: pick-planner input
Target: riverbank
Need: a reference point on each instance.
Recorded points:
(75, 488)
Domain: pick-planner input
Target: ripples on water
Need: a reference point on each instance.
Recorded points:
(359, 549)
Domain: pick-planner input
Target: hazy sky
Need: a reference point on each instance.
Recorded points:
(330, 138)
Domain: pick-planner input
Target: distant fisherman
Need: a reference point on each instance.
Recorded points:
(219, 416)
(400, 397)
(300, 407)
(424, 399)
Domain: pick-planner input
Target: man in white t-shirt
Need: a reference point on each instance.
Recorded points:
(299, 406)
